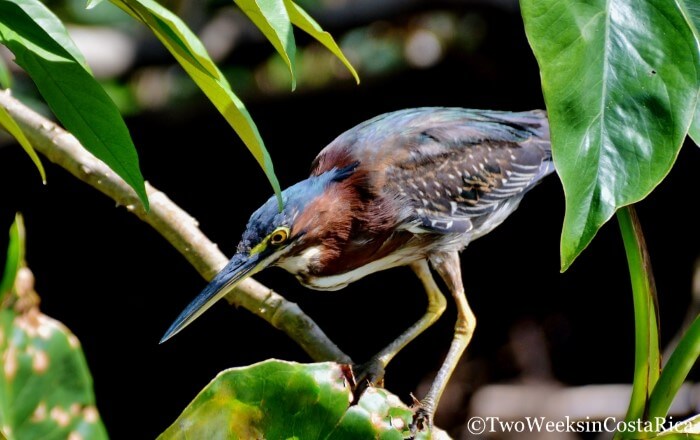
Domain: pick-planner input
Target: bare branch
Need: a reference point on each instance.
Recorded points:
(173, 223)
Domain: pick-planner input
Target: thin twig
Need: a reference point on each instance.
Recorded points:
(176, 225)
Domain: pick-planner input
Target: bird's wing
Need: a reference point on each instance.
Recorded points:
(450, 168)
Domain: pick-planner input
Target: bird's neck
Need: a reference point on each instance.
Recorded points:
(345, 228)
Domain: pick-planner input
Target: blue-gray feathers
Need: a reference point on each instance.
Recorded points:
(295, 198)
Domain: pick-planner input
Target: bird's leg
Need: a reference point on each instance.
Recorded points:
(373, 371)
(447, 265)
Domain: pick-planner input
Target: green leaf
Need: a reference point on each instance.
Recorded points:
(303, 21)
(11, 126)
(647, 359)
(694, 131)
(621, 81)
(270, 16)
(70, 91)
(378, 414)
(51, 25)
(190, 53)
(683, 430)
(92, 3)
(692, 8)
(45, 388)
(676, 370)
(283, 400)
(15, 257)
(5, 77)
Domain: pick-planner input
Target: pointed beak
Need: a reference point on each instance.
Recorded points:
(239, 268)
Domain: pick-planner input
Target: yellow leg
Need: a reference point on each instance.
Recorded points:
(447, 265)
(373, 371)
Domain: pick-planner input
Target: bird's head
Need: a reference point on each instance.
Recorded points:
(271, 237)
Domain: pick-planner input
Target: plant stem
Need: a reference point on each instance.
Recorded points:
(676, 370)
(175, 225)
(647, 360)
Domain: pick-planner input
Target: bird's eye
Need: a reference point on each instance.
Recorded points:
(279, 236)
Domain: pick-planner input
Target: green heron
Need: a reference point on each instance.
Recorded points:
(412, 187)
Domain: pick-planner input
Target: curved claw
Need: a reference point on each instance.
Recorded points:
(422, 418)
(370, 373)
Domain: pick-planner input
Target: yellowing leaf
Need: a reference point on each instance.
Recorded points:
(270, 16)
(303, 21)
(189, 51)
(11, 126)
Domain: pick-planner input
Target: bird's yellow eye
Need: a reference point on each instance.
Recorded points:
(279, 236)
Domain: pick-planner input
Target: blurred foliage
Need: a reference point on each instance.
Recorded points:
(379, 49)
(45, 385)
(5, 77)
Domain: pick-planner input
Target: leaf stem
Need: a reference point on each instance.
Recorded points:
(647, 360)
(676, 370)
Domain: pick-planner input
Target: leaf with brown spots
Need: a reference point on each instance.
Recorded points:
(286, 400)
(45, 385)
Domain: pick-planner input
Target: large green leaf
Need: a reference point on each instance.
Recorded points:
(692, 8)
(69, 89)
(15, 256)
(193, 57)
(307, 24)
(270, 16)
(285, 400)
(11, 126)
(621, 81)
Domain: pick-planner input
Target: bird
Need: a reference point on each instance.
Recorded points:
(410, 188)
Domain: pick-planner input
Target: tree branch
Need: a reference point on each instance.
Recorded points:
(176, 225)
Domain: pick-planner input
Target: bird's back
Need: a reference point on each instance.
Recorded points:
(449, 170)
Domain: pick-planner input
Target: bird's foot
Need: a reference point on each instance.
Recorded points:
(422, 416)
(368, 374)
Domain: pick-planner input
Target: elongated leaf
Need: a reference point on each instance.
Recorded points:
(647, 359)
(676, 370)
(285, 400)
(190, 53)
(72, 93)
(303, 21)
(270, 16)
(11, 126)
(621, 81)
(5, 78)
(15, 256)
(52, 25)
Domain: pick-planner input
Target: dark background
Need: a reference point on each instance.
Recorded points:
(118, 285)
